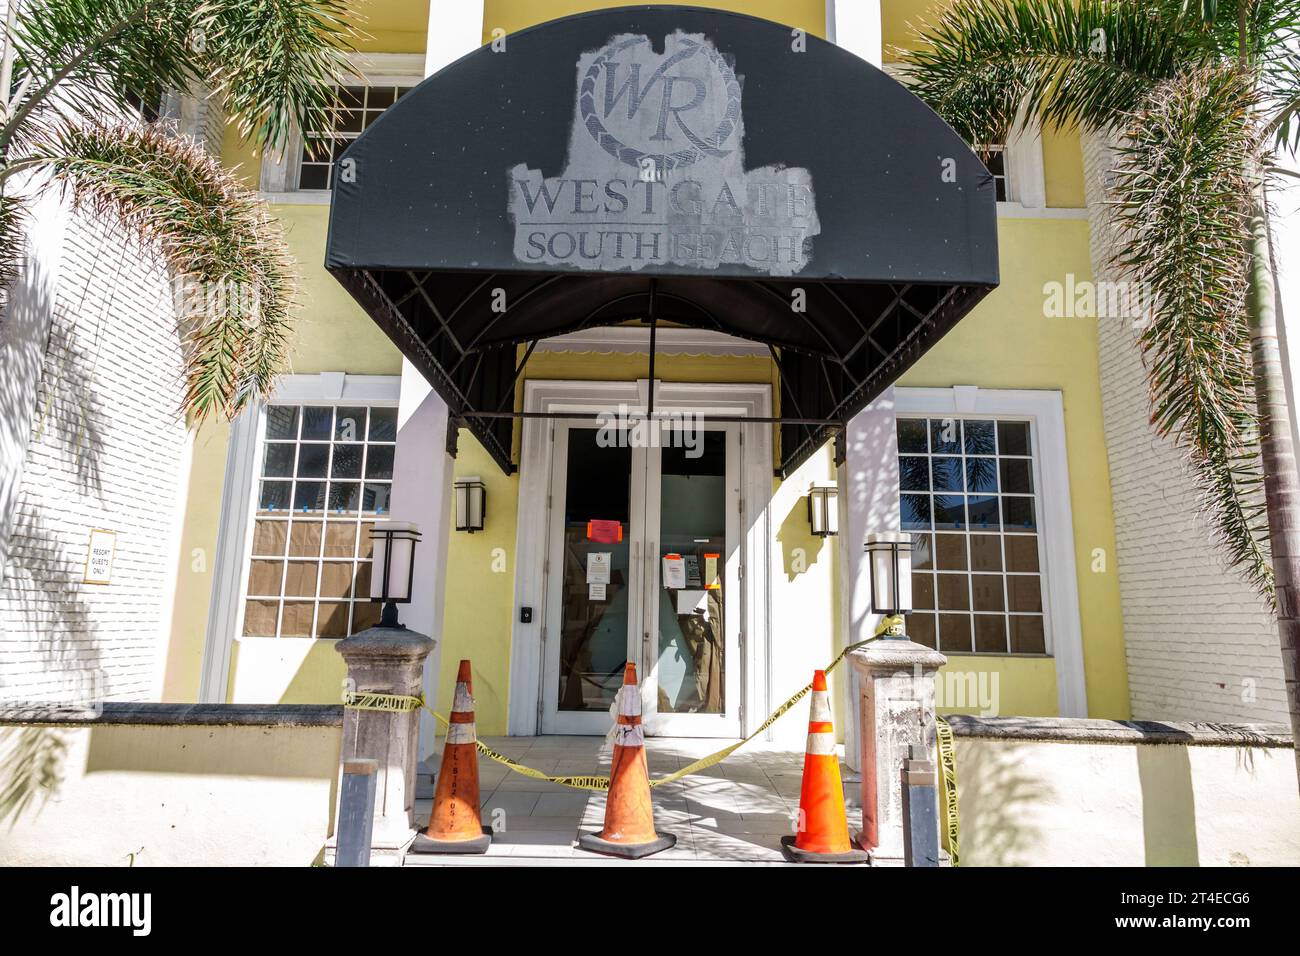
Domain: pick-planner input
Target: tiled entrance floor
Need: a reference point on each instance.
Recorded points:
(736, 811)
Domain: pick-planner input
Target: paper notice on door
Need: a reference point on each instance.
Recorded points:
(674, 571)
(598, 567)
(595, 592)
(692, 571)
(604, 532)
(693, 602)
(711, 571)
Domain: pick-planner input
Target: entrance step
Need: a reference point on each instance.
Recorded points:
(425, 774)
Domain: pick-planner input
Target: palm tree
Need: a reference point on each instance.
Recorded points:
(1201, 98)
(72, 76)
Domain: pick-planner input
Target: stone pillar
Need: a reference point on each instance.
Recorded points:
(386, 660)
(895, 711)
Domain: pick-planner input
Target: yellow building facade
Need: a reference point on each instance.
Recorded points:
(1003, 363)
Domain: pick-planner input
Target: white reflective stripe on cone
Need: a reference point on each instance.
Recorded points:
(463, 703)
(821, 707)
(461, 733)
(821, 744)
(630, 701)
(629, 735)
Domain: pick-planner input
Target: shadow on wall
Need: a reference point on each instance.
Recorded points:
(31, 770)
(42, 578)
(800, 548)
(42, 570)
(996, 801)
(1168, 805)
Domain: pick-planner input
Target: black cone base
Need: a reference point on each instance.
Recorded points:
(796, 855)
(424, 844)
(628, 851)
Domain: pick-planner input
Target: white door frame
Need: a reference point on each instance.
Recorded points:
(552, 719)
(749, 400)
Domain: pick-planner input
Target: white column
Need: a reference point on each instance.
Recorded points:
(855, 26)
(422, 469)
(868, 496)
(422, 479)
(454, 30)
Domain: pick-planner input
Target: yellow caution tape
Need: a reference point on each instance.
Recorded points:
(386, 703)
(401, 703)
(948, 770)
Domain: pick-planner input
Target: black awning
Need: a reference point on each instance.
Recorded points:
(664, 165)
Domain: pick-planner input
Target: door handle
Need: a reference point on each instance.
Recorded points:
(651, 592)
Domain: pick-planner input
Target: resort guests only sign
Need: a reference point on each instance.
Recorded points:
(656, 172)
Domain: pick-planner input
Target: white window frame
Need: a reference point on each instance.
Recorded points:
(279, 174)
(1044, 410)
(1023, 161)
(239, 506)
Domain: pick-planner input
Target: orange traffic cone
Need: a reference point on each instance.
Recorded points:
(822, 834)
(629, 819)
(455, 826)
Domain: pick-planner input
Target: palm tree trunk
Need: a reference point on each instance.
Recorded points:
(1281, 481)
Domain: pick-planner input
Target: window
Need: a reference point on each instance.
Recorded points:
(325, 475)
(147, 104)
(995, 159)
(968, 494)
(357, 107)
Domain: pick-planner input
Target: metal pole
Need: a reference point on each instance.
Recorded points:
(740, 419)
(650, 401)
(356, 812)
(920, 809)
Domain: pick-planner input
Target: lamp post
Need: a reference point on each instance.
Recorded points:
(393, 572)
(891, 575)
(387, 660)
(896, 699)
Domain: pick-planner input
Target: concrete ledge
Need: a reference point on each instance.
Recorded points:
(209, 715)
(1080, 730)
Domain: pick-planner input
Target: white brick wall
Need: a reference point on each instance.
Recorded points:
(1198, 640)
(106, 450)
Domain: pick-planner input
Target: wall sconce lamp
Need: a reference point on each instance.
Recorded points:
(891, 573)
(393, 572)
(471, 504)
(824, 510)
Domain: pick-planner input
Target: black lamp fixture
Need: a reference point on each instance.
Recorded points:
(890, 554)
(824, 510)
(392, 573)
(471, 504)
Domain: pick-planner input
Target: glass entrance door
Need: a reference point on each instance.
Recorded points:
(644, 566)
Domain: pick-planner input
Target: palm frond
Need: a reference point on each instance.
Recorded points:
(226, 253)
(1280, 81)
(12, 244)
(269, 61)
(1089, 62)
(272, 61)
(86, 56)
(1182, 199)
